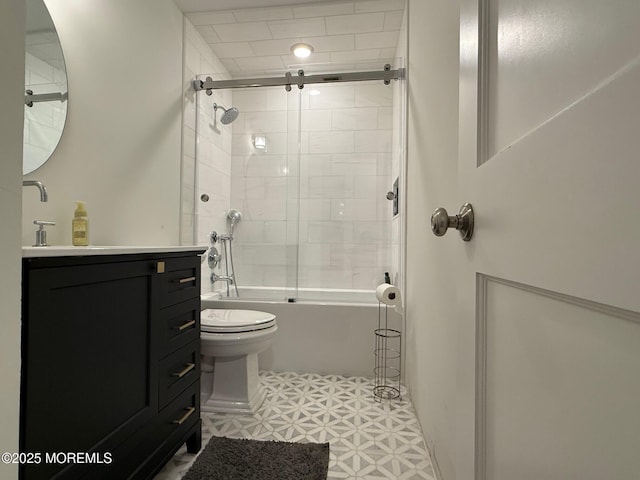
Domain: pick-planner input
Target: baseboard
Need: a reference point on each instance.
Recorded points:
(434, 462)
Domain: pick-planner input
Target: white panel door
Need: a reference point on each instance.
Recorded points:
(549, 286)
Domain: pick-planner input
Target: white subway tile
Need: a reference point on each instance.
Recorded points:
(262, 14)
(297, 28)
(221, 160)
(211, 18)
(275, 232)
(349, 209)
(379, 5)
(314, 254)
(373, 95)
(348, 256)
(325, 277)
(337, 186)
(365, 187)
(266, 209)
(208, 34)
(367, 278)
(393, 20)
(260, 63)
(371, 233)
(230, 65)
(191, 57)
(272, 47)
(330, 232)
(376, 40)
(354, 118)
(232, 50)
(386, 118)
(341, 96)
(189, 142)
(320, 10)
(274, 276)
(242, 32)
(265, 122)
(250, 100)
(315, 120)
(331, 142)
(314, 165)
(376, 141)
(331, 43)
(254, 188)
(315, 209)
(276, 98)
(354, 164)
(356, 56)
(367, 22)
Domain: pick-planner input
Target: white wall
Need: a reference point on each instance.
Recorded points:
(120, 151)
(432, 183)
(12, 14)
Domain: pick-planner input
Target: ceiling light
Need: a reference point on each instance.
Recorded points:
(302, 50)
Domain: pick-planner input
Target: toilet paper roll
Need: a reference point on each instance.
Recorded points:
(388, 294)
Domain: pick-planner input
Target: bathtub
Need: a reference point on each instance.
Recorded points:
(320, 336)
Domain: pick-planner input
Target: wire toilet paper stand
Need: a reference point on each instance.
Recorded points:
(388, 358)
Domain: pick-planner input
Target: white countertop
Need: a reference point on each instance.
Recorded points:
(70, 251)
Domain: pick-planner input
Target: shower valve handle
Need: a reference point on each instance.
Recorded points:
(213, 258)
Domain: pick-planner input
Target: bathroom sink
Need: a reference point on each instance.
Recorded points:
(69, 250)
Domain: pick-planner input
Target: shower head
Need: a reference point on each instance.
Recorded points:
(234, 216)
(229, 115)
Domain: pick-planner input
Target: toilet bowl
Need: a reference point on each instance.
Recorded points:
(230, 342)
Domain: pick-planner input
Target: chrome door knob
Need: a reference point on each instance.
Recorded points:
(463, 222)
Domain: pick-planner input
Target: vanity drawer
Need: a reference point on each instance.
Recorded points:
(177, 372)
(181, 414)
(180, 325)
(179, 280)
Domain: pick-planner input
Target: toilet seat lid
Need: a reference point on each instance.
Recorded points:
(221, 320)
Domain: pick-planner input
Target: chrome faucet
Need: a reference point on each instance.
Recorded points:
(230, 279)
(40, 186)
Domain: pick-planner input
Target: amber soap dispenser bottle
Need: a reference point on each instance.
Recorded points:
(80, 226)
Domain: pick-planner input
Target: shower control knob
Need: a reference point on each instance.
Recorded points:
(213, 258)
(463, 222)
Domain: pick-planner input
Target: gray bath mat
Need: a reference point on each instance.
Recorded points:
(241, 459)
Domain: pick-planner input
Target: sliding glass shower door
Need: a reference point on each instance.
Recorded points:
(310, 170)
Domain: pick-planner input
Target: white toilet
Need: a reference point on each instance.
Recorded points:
(230, 343)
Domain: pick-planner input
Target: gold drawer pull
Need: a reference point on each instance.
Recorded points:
(187, 280)
(187, 369)
(186, 325)
(183, 419)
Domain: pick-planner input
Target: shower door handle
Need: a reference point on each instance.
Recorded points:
(463, 222)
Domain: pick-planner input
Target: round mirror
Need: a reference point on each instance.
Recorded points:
(45, 98)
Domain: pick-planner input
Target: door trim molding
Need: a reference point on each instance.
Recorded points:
(482, 283)
(484, 19)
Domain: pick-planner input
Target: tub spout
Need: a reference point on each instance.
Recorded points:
(40, 186)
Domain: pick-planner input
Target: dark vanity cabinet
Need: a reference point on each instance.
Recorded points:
(110, 384)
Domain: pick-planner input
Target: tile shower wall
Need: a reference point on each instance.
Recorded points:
(342, 173)
(206, 151)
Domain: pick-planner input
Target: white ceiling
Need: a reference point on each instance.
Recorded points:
(257, 40)
(190, 6)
